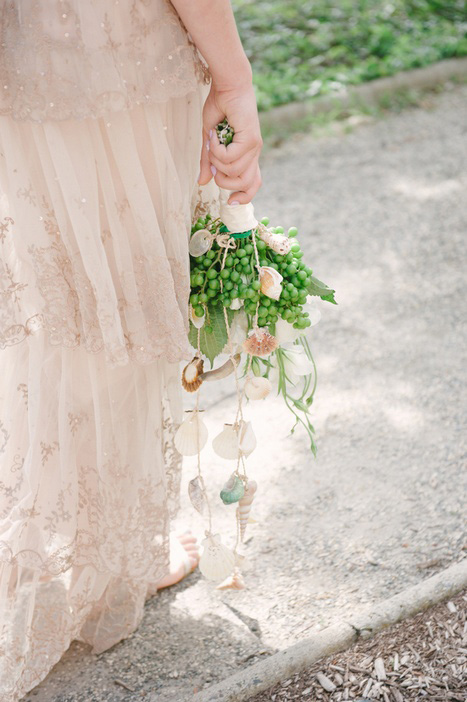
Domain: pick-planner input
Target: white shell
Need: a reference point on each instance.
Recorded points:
(225, 444)
(271, 282)
(217, 561)
(236, 303)
(244, 506)
(197, 321)
(197, 495)
(247, 438)
(186, 437)
(279, 243)
(200, 242)
(234, 440)
(257, 387)
(233, 582)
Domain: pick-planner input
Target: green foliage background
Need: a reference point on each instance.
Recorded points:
(303, 48)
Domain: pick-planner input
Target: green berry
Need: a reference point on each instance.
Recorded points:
(291, 269)
(199, 310)
(214, 284)
(260, 245)
(203, 297)
(293, 231)
(265, 221)
(240, 253)
(225, 274)
(249, 249)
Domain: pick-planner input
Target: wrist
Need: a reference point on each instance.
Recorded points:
(238, 77)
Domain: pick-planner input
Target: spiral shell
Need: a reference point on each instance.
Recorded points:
(244, 505)
(217, 561)
(257, 387)
(260, 342)
(200, 242)
(271, 282)
(190, 431)
(233, 582)
(197, 495)
(279, 243)
(191, 379)
(233, 490)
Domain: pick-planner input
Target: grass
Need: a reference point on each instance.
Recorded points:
(300, 49)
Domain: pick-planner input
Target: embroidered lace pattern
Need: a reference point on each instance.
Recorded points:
(64, 59)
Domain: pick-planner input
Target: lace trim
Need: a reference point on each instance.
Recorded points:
(61, 60)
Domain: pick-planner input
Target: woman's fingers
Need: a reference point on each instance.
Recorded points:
(236, 168)
(242, 182)
(242, 144)
(241, 191)
(205, 173)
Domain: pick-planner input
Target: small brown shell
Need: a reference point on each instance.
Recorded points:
(260, 342)
(191, 379)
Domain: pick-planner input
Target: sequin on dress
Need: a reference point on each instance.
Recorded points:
(100, 138)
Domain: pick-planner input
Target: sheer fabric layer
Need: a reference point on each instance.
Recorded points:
(89, 482)
(94, 272)
(94, 221)
(64, 59)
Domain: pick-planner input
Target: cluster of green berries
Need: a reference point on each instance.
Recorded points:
(240, 279)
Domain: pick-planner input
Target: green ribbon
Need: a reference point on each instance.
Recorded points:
(238, 235)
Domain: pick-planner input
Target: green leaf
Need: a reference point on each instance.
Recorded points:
(316, 287)
(211, 344)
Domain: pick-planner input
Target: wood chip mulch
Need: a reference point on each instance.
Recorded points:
(421, 658)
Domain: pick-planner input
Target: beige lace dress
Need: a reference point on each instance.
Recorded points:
(100, 137)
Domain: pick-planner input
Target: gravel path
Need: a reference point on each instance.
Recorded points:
(381, 214)
(424, 657)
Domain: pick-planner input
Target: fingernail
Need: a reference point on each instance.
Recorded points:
(210, 133)
(213, 170)
(234, 203)
(207, 146)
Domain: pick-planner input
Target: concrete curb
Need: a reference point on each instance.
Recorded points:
(367, 93)
(246, 683)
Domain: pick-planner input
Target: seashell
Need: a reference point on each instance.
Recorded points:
(225, 444)
(196, 494)
(223, 371)
(247, 438)
(233, 490)
(257, 388)
(236, 304)
(233, 582)
(191, 432)
(217, 561)
(260, 342)
(244, 506)
(191, 379)
(271, 282)
(235, 440)
(198, 322)
(200, 242)
(279, 243)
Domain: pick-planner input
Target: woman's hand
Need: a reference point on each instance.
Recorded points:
(235, 167)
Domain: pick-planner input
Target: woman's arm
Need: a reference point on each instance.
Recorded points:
(212, 27)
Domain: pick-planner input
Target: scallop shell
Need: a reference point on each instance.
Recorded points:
(233, 582)
(217, 561)
(247, 438)
(257, 387)
(271, 282)
(225, 444)
(197, 495)
(279, 243)
(191, 374)
(190, 431)
(197, 322)
(260, 342)
(235, 440)
(200, 242)
(244, 506)
(233, 490)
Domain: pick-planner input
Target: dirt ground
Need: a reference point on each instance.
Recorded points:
(381, 215)
(422, 658)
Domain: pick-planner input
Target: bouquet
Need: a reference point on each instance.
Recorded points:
(250, 293)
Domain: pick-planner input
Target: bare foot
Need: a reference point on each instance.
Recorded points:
(178, 559)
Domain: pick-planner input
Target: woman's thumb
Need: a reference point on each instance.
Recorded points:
(205, 173)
